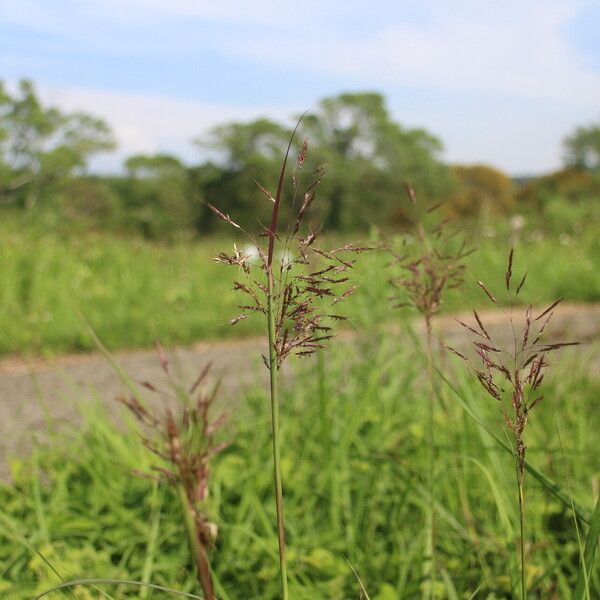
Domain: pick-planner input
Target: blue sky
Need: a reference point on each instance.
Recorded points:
(500, 82)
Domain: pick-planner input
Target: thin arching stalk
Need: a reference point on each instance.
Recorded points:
(430, 565)
(273, 372)
(521, 492)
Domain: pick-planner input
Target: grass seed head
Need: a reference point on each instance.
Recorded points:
(433, 269)
(307, 280)
(184, 441)
(513, 374)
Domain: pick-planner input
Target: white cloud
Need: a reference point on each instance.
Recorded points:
(532, 85)
(267, 12)
(32, 15)
(471, 49)
(511, 47)
(149, 124)
(55, 17)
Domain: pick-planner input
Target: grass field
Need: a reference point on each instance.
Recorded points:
(365, 481)
(354, 465)
(132, 291)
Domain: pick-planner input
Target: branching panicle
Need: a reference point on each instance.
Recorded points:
(432, 269)
(519, 367)
(307, 280)
(293, 290)
(513, 378)
(184, 444)
(185, 441)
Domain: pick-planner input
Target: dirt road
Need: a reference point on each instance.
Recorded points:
(29, 390)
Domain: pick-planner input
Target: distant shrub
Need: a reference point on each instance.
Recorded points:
(480, 188)
(90, 201)
(571, 184)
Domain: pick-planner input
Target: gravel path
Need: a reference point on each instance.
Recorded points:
(29, 390)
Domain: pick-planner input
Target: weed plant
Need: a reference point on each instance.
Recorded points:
(353, 463)
(296, 294)
(513, 375)
(426, 274)
(182, 439)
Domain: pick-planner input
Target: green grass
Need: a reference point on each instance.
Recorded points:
(132, 291)
(354, 464)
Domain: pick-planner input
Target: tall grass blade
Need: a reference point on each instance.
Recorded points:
(123, 376)
(25, 542)
(363, 589)
(96, 581)
(591, 544)
(451, 592)
(575, 522)
(152, 540)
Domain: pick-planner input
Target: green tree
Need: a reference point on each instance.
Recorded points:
(368, 156)
(156, 195)
(41, 147)
(90, 202)
(248, 154)
(582, 148)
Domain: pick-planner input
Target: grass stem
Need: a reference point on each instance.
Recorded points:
(520, 485)
(196, 546)
(273, 371)
(430, 542)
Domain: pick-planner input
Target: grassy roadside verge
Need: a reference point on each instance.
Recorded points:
(133, 291)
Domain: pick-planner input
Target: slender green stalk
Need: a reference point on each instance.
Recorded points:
(520, 485)
(196, 546)
(152, 541)
(295, 301)
(430, 543)
(273, 372)
(274, 367)
(426, 276)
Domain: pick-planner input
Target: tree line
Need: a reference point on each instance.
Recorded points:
(45, 153)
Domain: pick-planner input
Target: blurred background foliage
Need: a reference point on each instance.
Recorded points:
(45, 153)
